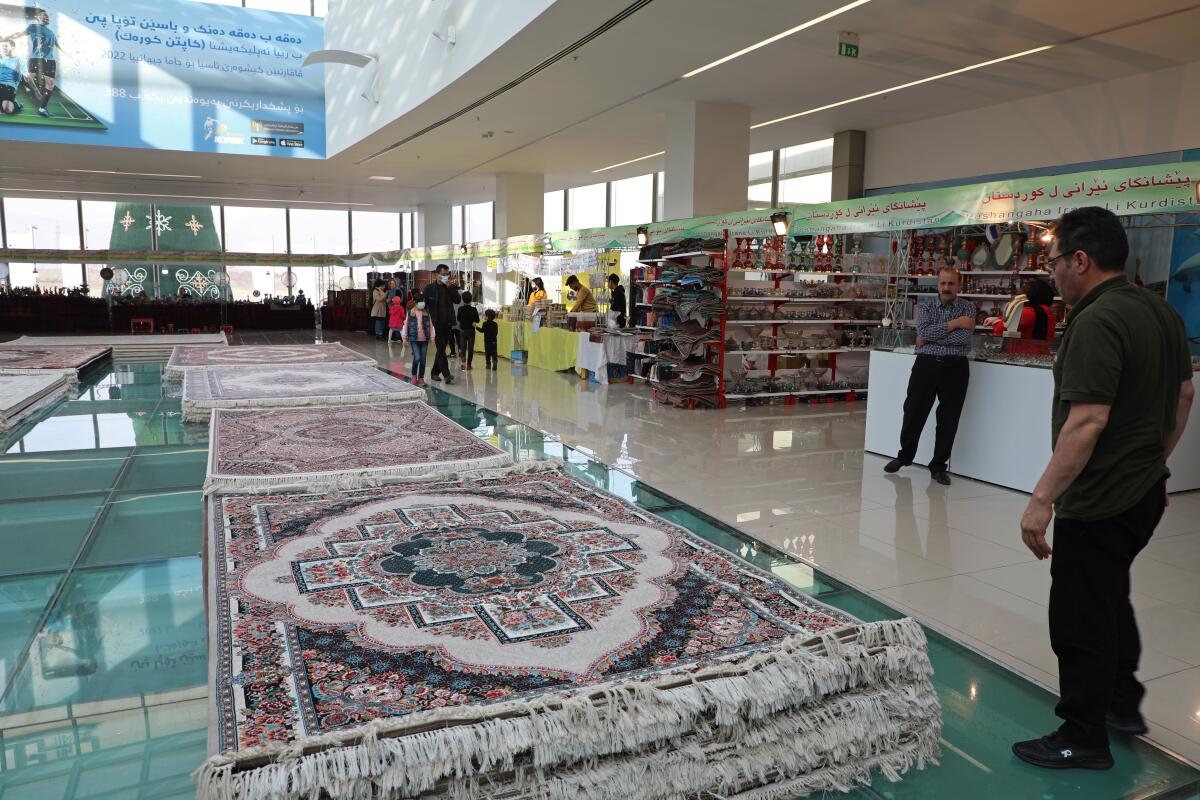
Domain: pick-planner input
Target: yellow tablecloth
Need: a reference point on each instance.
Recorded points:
(549, 348)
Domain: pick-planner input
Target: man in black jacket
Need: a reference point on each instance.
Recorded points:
(440, 297)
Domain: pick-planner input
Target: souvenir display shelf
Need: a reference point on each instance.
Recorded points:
(647, 280)
(825, 284)
(992, 269)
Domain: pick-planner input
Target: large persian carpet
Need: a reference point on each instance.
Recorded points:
(22, 395)
(190, 357)
(69, 360)
(339, 447)
(142, 347)
(305, 385)
(529, 636)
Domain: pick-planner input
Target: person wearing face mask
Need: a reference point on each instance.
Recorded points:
(418, 332)
(440, 297)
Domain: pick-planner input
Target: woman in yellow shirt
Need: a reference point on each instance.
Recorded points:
(539, 292)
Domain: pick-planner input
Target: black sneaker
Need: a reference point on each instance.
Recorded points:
(1055, 752)
(894, 465)
(435, 377)
(942, 477)
(1130, 725)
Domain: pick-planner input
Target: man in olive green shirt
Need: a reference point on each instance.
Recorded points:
(583, 296)
(1122, 393)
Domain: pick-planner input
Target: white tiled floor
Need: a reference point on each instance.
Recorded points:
(796, 477)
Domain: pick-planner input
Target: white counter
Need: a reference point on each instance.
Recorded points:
(1004, 432)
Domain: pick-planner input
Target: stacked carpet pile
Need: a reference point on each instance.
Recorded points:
(302, 385)
(186, 358)
(24, 395)
(397, 610)
(316, 449)
(68, 361)
(128, 348)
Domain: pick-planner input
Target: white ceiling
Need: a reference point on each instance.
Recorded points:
(606, 104)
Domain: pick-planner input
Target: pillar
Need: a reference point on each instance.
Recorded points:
(708, 149)
(520, 204)
(434, 225)
(849, 155)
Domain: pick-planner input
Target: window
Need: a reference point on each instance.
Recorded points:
(44, 224)
(376, 231)
(554, 217)
(456, 225)
(587, 206)
(479, 221)
(632, 201)
(47, 276)
(408, 229)
(761, 177)
(660, 202)
(99, 216)
(804, 172)
(319, 231)
(251, 229)
(806, 158)
(806, 189)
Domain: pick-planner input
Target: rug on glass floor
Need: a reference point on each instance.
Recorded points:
(191, 357)
(68, 361)
(530, 636)
(340, 447)
(23, 395)
(303, 385)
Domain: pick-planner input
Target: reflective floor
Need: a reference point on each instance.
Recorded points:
(102, 629)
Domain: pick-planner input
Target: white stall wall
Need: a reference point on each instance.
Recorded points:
(1155, 112)
(1004, 431)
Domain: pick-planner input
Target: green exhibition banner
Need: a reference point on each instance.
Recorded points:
(186, 235)
(1167, 188)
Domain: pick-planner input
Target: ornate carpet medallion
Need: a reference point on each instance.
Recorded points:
(429, 636)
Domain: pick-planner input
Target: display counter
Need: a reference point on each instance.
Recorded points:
(549, 348)
(1004, 431)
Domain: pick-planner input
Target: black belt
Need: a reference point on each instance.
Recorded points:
(944, 359)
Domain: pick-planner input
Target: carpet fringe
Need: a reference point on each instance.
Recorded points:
(495, 466)
(730, 701)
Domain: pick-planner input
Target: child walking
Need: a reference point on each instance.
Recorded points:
(418, 332)
(396, 315)
(490, 330)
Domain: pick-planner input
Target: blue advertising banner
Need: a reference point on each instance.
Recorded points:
(167, 75)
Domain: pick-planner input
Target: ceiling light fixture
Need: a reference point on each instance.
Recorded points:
(129, 195)
(138, 174)
(382, 178)
(630, 161)
(643, 236)
(778, 36)
(908, 85)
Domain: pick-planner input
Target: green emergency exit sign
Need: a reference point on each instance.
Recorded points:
(848, 44)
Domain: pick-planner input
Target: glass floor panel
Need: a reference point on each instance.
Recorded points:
(103, 662)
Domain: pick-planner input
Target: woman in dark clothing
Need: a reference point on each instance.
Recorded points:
(616, 303)
(1029, 313)
(468, 318)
